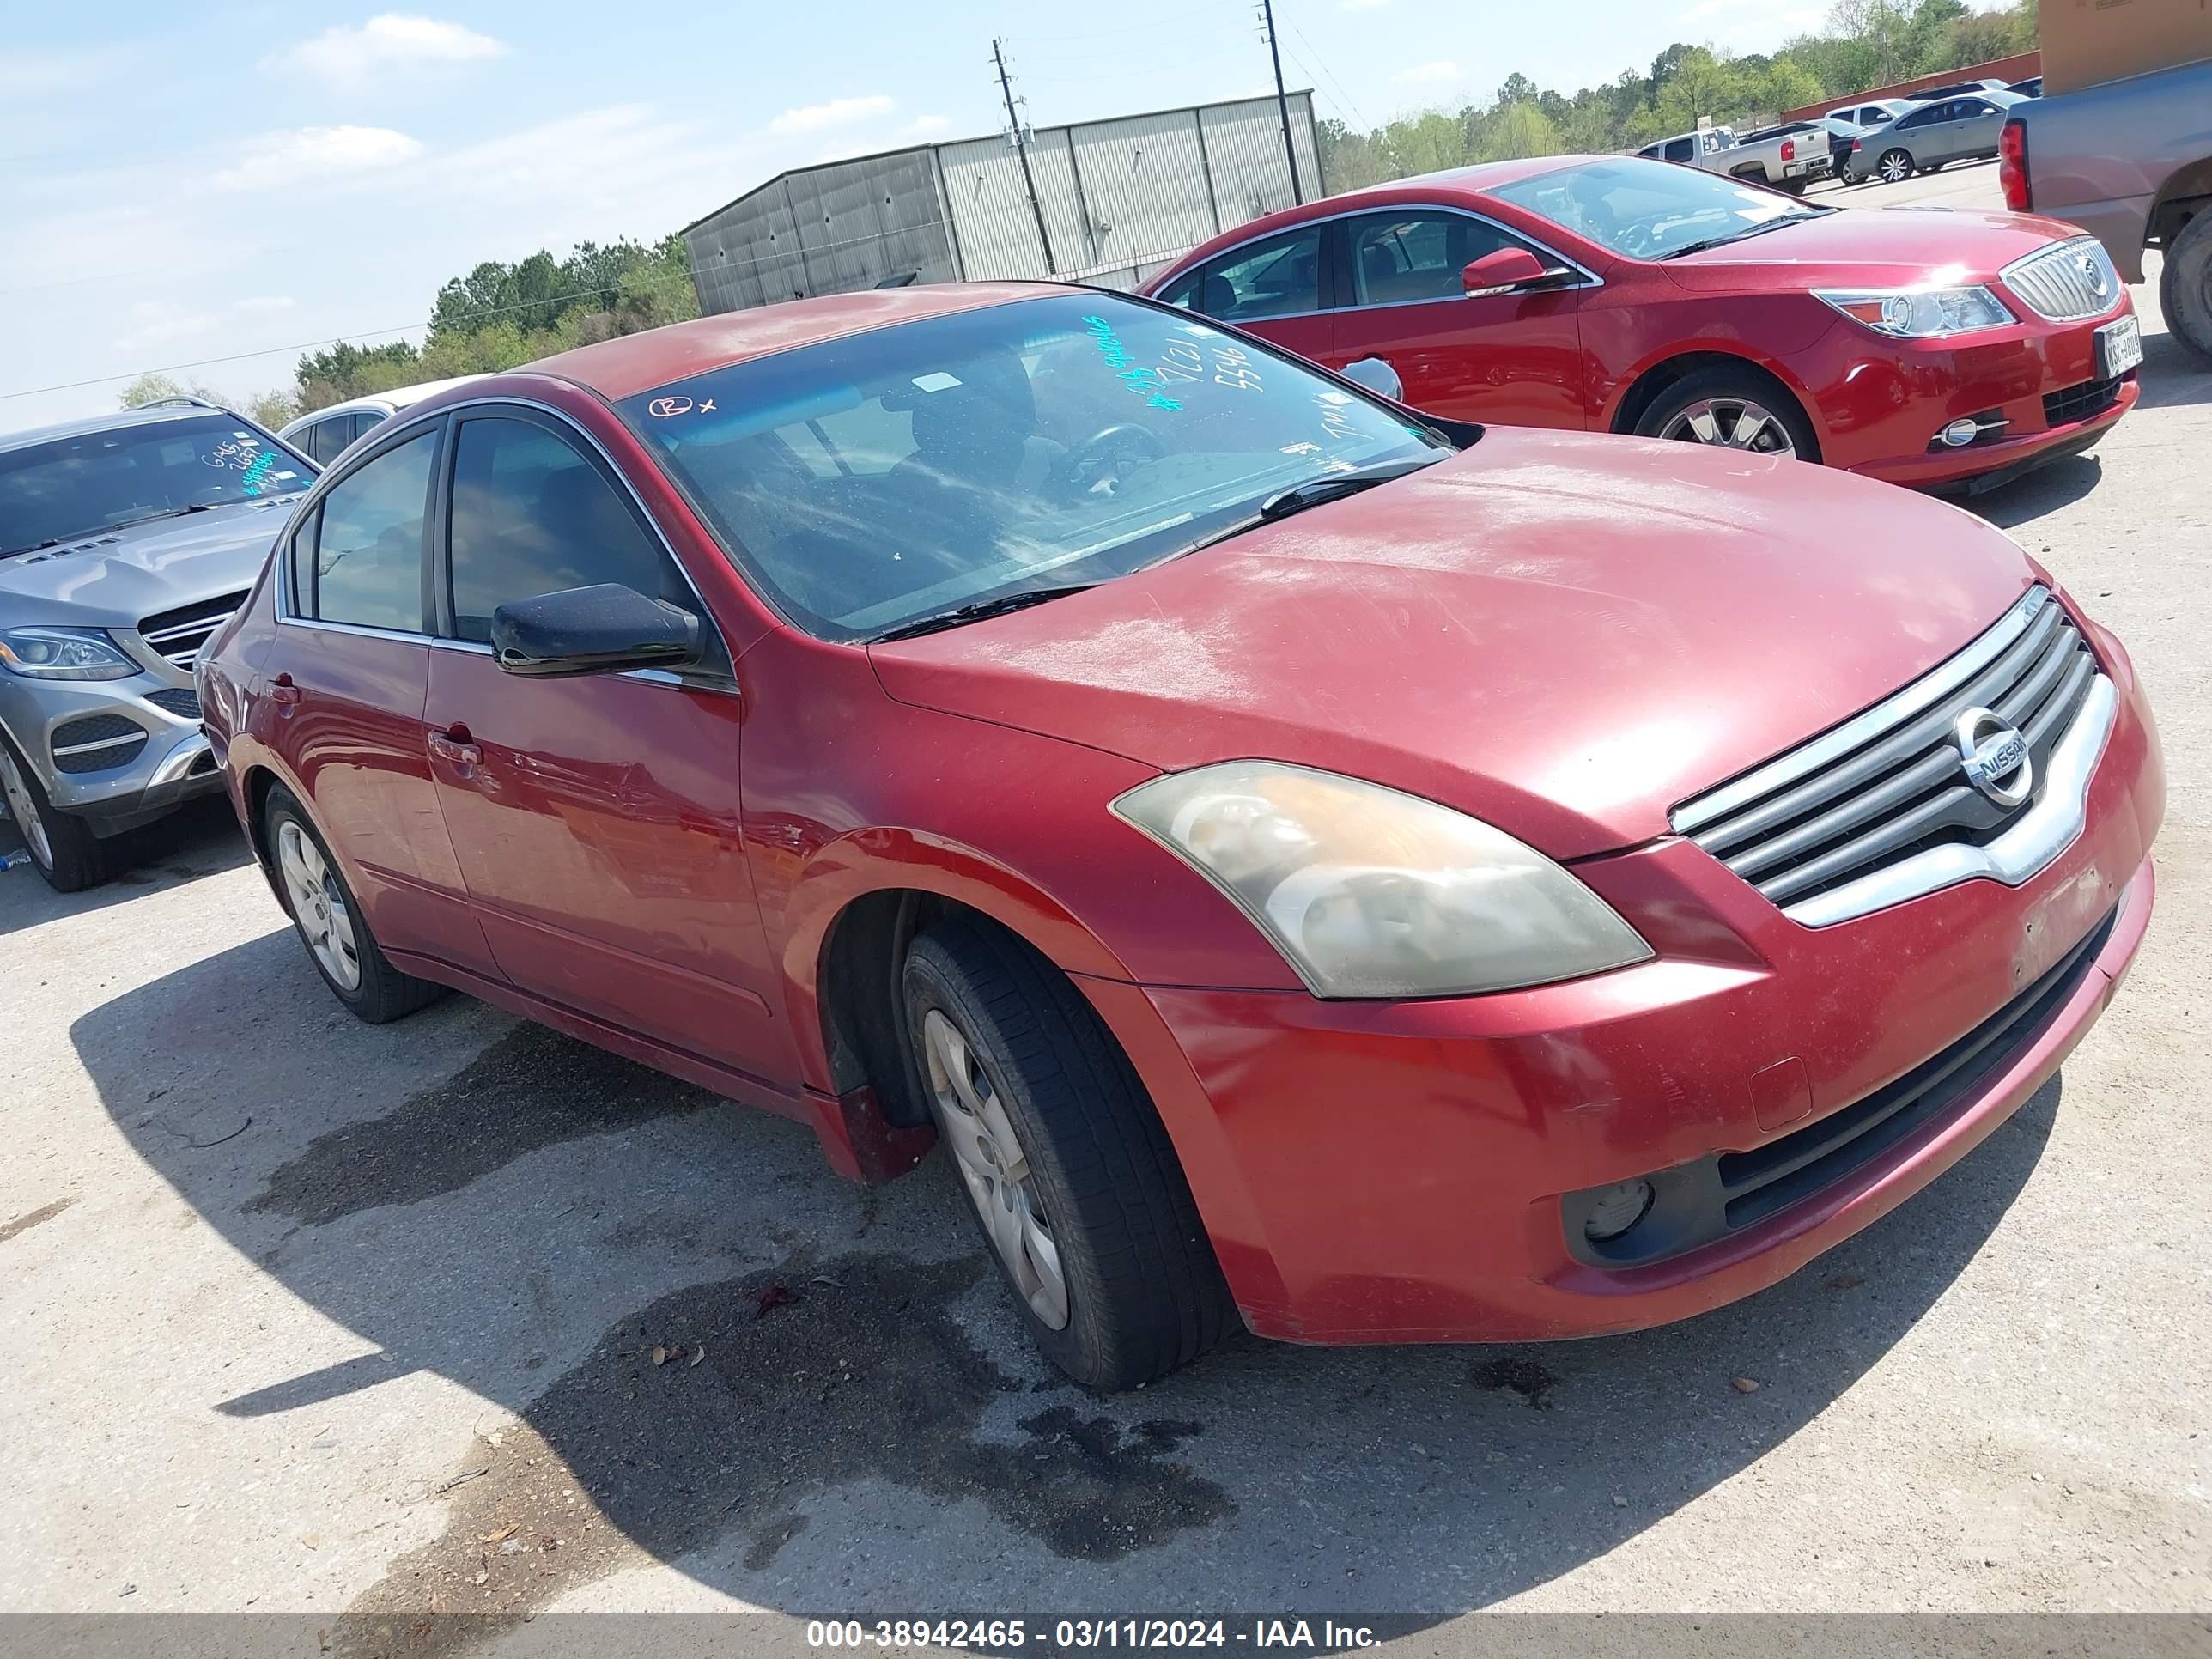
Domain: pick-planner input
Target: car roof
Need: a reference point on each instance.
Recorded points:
(114, 420)
(398, 397)
(623, 367)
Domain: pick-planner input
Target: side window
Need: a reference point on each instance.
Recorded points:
(1273, 278)
(1416, 255)
(366, 420)
(1921, 116)
(1967, 107)
(1184, 291)
(368, 542)
(1681, 150)
(531, 515)
(321, 441)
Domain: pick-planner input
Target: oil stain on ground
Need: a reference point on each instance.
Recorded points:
(530, 1089)
(755, 1404)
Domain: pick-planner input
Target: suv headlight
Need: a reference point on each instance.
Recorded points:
(1369, 892)
(65, 654)
(1919, 313)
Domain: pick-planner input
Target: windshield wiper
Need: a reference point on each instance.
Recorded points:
(34, 547)
(1330, 485)
(1759, 229)
(977, 609)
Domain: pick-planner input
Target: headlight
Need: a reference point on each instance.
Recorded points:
(65, 654)
(1368, 892)
(1919, 313)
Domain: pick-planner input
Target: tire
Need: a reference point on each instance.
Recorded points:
(1895, 167)
(313, 890)
(64, 848)
(2185, 287)
(1675, 412)
(1101, 1195)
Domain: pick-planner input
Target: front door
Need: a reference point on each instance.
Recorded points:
(596, 819)
(1514, 358)
(1975, 129)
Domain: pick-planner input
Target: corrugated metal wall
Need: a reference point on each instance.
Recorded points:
(1119, 199)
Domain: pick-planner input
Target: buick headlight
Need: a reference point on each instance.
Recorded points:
(65, 654)
(1368, 892)
(1919, 313)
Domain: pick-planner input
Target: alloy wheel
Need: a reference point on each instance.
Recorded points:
(25, 810)
(319, 906)
(1731, 423)
(987, 1153)
(1896, 167)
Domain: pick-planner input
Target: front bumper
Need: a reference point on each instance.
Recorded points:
(171, 765)
(1880, 403)
(1396, 1172)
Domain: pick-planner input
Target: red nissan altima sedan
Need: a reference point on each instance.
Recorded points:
(1372, 878)
(1612, 293)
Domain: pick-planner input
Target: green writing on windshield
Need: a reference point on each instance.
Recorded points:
(1145, 382)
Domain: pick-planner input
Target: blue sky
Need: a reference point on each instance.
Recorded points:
(181, 182)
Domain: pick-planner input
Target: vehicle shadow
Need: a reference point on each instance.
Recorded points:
(201, 838)
(2035, 494)
(813, 1397)
(2171, 374)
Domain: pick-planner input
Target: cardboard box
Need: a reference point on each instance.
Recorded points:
(2088, 42)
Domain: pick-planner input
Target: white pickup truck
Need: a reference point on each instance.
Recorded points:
(1789, 157)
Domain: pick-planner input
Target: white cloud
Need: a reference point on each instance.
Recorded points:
(924, 126)
(837, 113)
(355, 59)
(284, 158)
(158, 322)
(1438, 72)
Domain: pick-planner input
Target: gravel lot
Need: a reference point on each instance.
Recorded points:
(297, 1314)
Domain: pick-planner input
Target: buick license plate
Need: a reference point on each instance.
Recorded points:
(2119, 347)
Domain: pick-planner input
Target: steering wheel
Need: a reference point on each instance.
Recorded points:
(1104, 456)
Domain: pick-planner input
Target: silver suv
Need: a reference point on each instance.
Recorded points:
(125, 541)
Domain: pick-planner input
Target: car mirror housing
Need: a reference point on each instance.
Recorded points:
(601, 629)
(1504, 271)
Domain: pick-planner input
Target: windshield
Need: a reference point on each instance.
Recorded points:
(1650, 210)
(69, 487)
(893, 475)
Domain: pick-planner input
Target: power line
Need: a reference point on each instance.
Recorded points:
(1344, 96)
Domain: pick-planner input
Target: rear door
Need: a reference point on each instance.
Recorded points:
(1515, 358)
(343, 687)
(596, 819)
(1276, 287)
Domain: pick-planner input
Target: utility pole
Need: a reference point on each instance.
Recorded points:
(1022, 149)
(1282, 99)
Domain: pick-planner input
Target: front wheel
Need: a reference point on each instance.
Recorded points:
(330, 923)
(1065, 1163)
(63, 847)
(1895, 167)
(2185, 287)
(1731, 409)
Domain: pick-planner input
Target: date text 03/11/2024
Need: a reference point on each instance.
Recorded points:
(1013, 1635)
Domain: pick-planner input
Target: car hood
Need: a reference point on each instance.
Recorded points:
(1560, 633)
(111, 578)
(1875, 245)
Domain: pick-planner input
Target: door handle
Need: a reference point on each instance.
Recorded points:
(280, 689)
(455, 744)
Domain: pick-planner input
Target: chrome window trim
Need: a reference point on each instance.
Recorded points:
(2027, 846)
(1863, 728)
(1590, 279)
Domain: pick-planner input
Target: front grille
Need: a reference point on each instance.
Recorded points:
(1695, 1204)
(2066, 282)
(176, 700)
(1756, 1184)
(2080, 403)
(1890, 783)
(179, 634)
(96, 743)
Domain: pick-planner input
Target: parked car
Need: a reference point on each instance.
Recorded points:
(1956, 89)
(1619, 294)
(324, 433)
(1689, 147)
(1872, 111)
(125, 540)
(1789, 157)
(2129, 161)
(1929, 138)
(1382, 880)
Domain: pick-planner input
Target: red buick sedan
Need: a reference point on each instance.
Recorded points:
(1612, 293)
(1370, 877)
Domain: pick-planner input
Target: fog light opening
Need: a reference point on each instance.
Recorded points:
(1616, 1209)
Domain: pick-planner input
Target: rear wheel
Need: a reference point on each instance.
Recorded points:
(1895, 166)
(63, 847)
(1731, 409)
(1064, 1161)
(330, 925)
(2185, 287)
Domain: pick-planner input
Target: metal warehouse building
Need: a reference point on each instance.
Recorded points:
(1119, 198)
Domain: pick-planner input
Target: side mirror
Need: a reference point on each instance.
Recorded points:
(1504, 271)
(601, 629)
